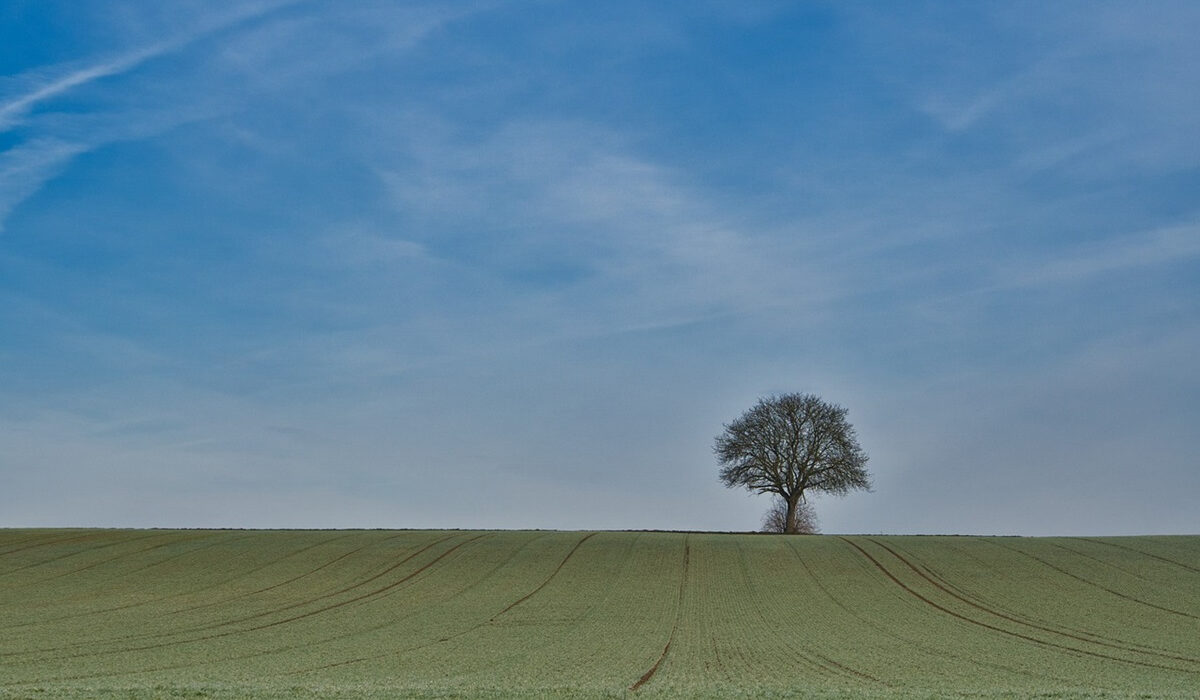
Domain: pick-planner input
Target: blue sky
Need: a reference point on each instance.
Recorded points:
(513, 264)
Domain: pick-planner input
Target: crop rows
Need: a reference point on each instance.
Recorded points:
(94, 613)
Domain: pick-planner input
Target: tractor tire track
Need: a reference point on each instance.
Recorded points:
(1127, 548)
(124, 575)
(687, 551)
(934, 652)
(1035, 622)
(60, 557)
(16, 542)
(276, 623)
(742, 600)
(1098, 640)
(549, 578)
(86, 536)
(324, 640)
(374, 593)
(154, 601)
(123, 555)
(1101, 562)
(22, 543)
(323, 596)
(281, 584)
(825, 663)
(1089, 582)
(1001, 630)
(220, 635)
(441, 640)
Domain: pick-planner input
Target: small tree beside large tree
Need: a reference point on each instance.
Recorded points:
(792, 445)
(804, 522)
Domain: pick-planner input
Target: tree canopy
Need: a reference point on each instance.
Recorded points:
(792, 445)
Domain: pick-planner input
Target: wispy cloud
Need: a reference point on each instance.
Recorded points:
(571, 194)
(66, 78)
(1088, 94)
(25, 167)
(960, 112)
(1176, 244)
(13, 110)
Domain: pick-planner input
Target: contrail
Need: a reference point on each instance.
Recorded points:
(11, 111)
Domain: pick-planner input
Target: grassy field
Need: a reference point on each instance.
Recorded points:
(363, 614)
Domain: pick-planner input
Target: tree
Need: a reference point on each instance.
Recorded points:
(792, 445)
(776, 518)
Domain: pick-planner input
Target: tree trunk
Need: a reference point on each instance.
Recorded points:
(789, 521)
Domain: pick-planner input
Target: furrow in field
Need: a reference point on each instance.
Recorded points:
(324, 641)
(791, 622)
(37, 542)
(827, 662)
(447, 638)
(211, 626)
(848, 670)
(128, 573)
(370, 594)
(822, 662)
(281, 584)
(275, 611)
(68, 555)
(1090, 639)
(549, 578)
(21, 544)
(275, 623)
(323, 596)
(1143, 553)
(93, 565)
(155, 601)
(327, 640)
(1094, 584)
(583, 615)
(675, 628)
(719, 606)
(934, 653)
(1001, 630)
(1019, 616)
(242, 575)
(1098, 560)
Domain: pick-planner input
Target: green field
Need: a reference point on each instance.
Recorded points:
(347, 614)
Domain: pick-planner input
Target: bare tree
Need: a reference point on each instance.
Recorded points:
(776, 518)
(790, 445)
